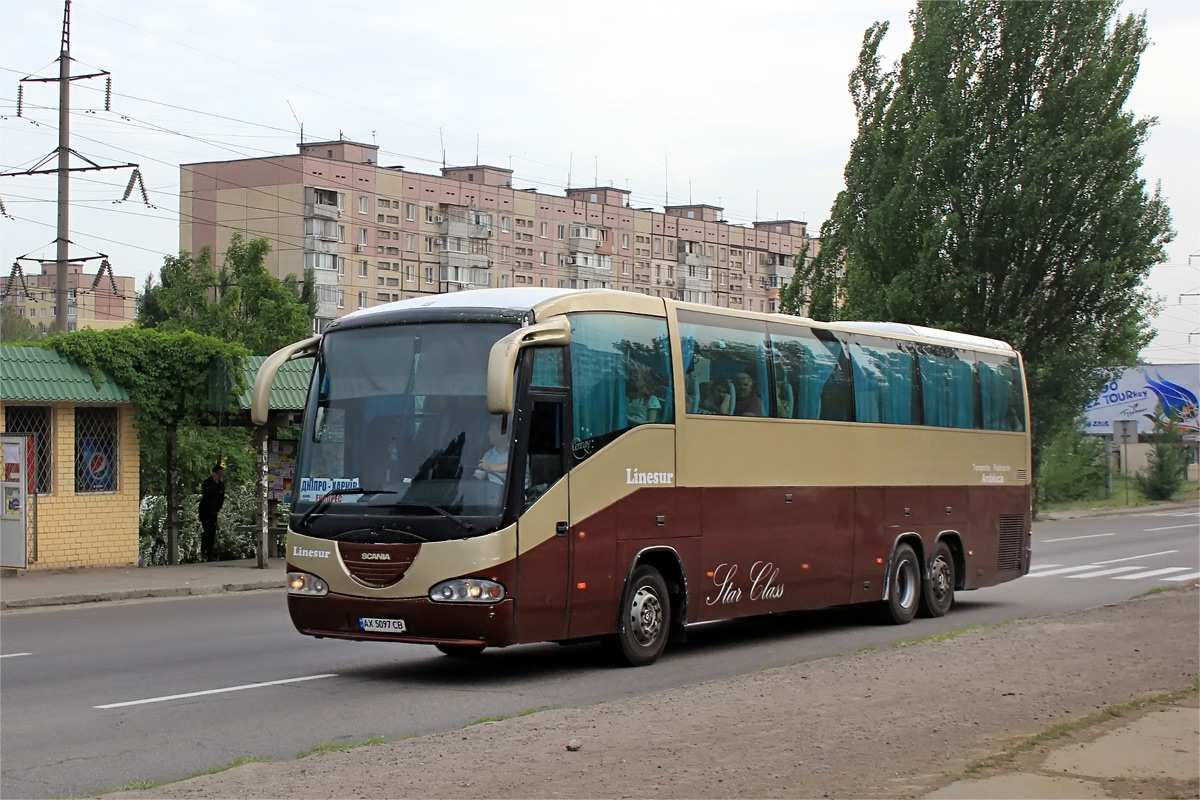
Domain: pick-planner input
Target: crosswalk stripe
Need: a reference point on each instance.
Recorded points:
(1062, 571)
(1036, 567)
(1151, 574)
(1103, 572)
(1193, 576)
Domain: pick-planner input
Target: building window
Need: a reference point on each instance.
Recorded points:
(624, 241)
(341, 233)
(362, 235)
(362, 269)
(410, 211)
(97, 463)
(429, 244)
(341, 264)
(341, 299)
(362, 299)
(429, 274)
(429, 213)
(35, 421)
(410, 272)
(410, 242)
(364, 206)
(505, 224)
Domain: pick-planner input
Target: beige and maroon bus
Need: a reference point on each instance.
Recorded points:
(503, 466)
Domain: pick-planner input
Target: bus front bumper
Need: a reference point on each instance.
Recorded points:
(415, 620)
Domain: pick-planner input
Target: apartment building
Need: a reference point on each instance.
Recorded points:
(373, 234)
(94, 300)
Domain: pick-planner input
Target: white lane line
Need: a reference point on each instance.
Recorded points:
(1103, 572)
(14, 655)
(1151, 574)
(1036, 567)
(1168, 528)
(1135, 558)
(1062, 571)
(1189, 577)
(1074, 538)
(215, 691)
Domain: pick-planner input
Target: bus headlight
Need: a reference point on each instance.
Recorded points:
(467, 590)
(303, 583)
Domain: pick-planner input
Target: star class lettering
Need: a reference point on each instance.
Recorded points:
(636, 478)
(764, 585)
(306, 553)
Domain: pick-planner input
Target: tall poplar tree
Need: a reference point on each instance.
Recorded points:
(993, 189)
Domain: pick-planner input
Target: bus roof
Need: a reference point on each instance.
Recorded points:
(543, 302)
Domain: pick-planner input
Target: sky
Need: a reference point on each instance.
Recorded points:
(743, 106)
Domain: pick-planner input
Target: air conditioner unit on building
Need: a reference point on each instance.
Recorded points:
(358, 248)
(440, 218)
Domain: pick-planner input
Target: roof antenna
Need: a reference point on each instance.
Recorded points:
(477, 149)
(298, 122)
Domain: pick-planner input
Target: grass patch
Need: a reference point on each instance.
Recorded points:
(1161, 589)
(340, 747)
(940, 637)
(867, 649)
(1089, 721)
(524, 713)
(136, 785)
(529, 711)
(1189, 491)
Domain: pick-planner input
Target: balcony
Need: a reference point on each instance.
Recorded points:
(690, 284)
(696, 260)
(459, 279)
(458, 259)
(465, 223)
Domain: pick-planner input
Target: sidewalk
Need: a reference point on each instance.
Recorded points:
(58, 587)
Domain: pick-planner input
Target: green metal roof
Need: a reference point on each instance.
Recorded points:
(41, 375)
(289, 387)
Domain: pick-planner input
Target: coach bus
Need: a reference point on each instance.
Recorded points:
(504, 466)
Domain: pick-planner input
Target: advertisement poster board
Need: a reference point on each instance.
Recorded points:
(1139, 393)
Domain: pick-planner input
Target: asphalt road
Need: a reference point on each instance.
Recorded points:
(96, 697)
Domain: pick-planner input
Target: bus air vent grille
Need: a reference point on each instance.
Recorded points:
(1012, 541)
(377, 565)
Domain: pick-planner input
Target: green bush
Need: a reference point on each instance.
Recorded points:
(1165, 469)
(240, 509)
(1073, 468)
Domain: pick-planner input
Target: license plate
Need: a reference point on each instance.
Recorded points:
(376, 624)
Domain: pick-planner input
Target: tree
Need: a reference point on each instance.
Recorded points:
(993, 189)
(241, 302)
(1165, 468)
(15, 329)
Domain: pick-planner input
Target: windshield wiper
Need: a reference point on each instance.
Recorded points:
(467, 526)
(326, 499)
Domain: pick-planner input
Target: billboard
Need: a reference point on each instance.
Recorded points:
(1139, 391)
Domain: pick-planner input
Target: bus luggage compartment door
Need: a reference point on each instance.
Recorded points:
(543, 572)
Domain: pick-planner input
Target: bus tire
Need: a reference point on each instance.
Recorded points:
(937, 594)
(904, 587)
(460, 650)
(645, 621)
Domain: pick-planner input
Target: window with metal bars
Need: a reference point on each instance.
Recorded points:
(34, 420)
(96, 449)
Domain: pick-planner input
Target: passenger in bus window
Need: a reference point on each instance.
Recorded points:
(748, 403)
(641, 405)
(716, 398)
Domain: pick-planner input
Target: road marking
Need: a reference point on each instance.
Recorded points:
(1073, 538)
(1168, 528)
(1062, 571)
(1103, 572)
(14, 655)
(215, 691)
(1036, 567)
(1193, 576)
(1135, 558)
(1151, 574)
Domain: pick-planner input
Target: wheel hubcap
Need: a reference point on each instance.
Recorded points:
(906, 584)
(645, 616)
(939, 577)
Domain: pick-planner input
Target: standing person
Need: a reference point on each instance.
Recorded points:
(212, 497)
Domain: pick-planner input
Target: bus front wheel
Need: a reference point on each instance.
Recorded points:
(645, 619)
(938, 593)
(904, 587)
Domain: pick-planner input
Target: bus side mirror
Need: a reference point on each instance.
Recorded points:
(260, 394)
(503, 358)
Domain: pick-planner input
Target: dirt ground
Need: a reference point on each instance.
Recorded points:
(895, 722)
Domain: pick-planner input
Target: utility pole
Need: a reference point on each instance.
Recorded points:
(62, 257)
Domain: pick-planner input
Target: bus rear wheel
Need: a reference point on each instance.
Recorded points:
(938, 593)
(645, 619)
(460, 650)
(904, 587)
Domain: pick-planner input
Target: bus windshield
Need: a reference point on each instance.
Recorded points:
(397, 442)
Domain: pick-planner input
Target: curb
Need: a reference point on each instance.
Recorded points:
(137, 594)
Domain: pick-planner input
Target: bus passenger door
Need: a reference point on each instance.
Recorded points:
(543, 563)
